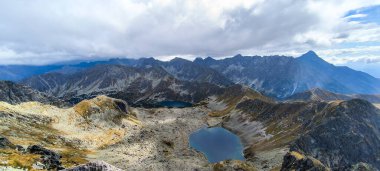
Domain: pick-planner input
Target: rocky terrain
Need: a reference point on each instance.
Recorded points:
(104, 129)
(277, 136)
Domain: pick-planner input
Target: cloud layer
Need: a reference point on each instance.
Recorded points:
(45, 31)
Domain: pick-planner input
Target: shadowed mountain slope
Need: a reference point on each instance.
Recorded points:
(16, 93)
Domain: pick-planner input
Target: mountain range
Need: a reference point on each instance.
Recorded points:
(274, 76)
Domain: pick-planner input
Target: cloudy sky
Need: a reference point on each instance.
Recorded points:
(44, 31)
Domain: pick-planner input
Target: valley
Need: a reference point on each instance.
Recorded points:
(126, 114)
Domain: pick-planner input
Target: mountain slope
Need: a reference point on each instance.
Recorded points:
(16, 93)
(280, 76)
(353, 123)
(135, 85)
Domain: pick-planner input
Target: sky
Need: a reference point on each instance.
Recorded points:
(38, 32)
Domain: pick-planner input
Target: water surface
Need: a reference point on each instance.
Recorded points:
(217, 144)
(175, 104)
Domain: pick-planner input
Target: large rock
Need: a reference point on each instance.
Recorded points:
(5, 143)
(296, 161)
(50, 159)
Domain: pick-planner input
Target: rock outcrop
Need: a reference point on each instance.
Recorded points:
(49, 159)
(296, 161)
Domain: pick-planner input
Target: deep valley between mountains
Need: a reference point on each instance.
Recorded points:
(109, 116)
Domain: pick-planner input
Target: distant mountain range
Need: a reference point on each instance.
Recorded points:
(274, 76)
(318, 94)
(280, 76)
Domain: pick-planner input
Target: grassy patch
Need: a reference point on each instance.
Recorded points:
(73, 157)
(16, 159)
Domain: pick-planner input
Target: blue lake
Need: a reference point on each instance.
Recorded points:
(217, 144)
(175, 104)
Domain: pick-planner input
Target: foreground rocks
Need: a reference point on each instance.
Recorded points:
(320, 135)
(35, 156)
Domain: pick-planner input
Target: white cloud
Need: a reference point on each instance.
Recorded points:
(45, 31)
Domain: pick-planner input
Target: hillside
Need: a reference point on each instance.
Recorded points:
(312, 129)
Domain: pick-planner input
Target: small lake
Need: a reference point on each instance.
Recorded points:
(217, 144)
(175, 104)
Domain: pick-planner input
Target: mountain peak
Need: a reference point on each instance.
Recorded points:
(178, 59)
(238, 56)
(310, 55)
(209, 59)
